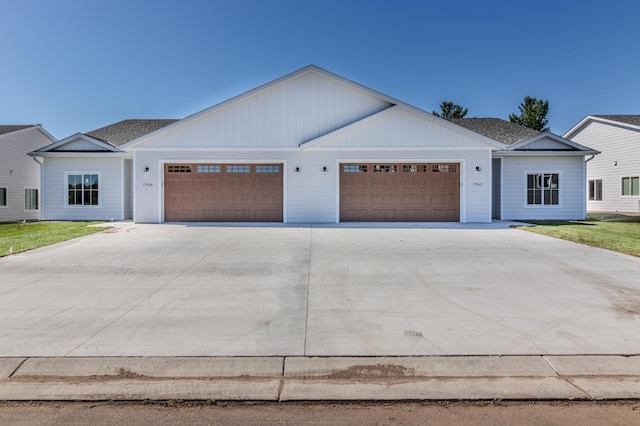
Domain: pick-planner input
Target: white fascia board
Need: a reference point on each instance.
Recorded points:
(543, 153)
(402, 148)
(83, 154)
(575, 129)
(551, 136)
(75, 137)
(214, 149)
(28, 129)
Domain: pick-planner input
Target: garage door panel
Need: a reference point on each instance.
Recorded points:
(223, 193)
(400, 192)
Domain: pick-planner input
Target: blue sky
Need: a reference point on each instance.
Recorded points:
(76, 65)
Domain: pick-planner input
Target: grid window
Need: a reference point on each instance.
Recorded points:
(268, 169)
(543, 189)
(385, 168)
(83, 189)
(209, 168)
(443, 168)
(237, 169)
(414, 168)
(179, 169)
(631, 185)
(354, 168)
(595, 190)
(30, 199)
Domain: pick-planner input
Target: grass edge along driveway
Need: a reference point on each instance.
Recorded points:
(612, 232)
(19, 237)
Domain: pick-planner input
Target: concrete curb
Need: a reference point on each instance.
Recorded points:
(320, 378)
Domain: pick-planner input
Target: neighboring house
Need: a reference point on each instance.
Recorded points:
(613, 178)
(19, 174)
(314, 147)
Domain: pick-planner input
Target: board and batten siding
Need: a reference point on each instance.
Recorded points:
(110, 187)
(285, 115)
(312, 195)
(26, 172)
(619, 157)
(514, 187)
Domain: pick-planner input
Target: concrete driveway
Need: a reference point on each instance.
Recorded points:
(169, 290)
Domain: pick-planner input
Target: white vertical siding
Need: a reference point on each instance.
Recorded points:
(285, 115)
(311, 195)
(620, 157)
(514, 185)
(26, 172)
(110, 187)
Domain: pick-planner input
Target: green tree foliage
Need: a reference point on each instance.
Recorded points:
(533, 114)
(451, 110)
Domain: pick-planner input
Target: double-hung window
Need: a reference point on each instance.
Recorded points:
(30, 199)
(595, 190)
(3, 197)
(543, 189)
(83, 189)
(631, 185)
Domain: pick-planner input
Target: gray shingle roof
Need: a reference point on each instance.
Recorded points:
(127, 130)
(9, 128)
(495, 128)
(628, 119)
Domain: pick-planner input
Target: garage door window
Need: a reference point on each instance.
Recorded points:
(268, 169)
(414, 168)
(83, 189)
(354, 168)
(385, 168)
(208, 169)
(543, 189)
(238, 169)
(179, 169)
(443, 168)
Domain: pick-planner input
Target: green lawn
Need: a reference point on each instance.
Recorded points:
(17, 237)
(614, 232)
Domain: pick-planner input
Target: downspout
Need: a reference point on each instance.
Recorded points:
(40, 192)
(584, 212)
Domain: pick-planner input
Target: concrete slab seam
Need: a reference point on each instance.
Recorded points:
(570, 382)
(17, 367)
(550, 364)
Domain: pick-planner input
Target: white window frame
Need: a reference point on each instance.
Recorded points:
(595, 190)
(37, 199)
(542, 206)
(622, 178)
(82, 206)
(6, 197)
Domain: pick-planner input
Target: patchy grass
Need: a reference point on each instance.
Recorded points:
(609, 231)
(17, 237)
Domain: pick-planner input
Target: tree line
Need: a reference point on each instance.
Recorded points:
(532, 113)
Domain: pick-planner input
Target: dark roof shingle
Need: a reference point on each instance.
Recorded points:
(495, 128)
(10, 128)
(127, 130)
(627, 119)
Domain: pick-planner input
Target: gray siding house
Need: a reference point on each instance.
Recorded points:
(19, 174)
(613, 177)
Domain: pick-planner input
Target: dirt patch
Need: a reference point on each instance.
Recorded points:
(371, 371)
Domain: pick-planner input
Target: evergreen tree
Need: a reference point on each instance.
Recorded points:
(451, 110)
(533, 114)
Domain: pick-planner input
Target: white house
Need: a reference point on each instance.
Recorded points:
(19, 174)
(613, 178)
(314, 147)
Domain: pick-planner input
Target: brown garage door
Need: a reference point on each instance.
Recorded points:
(400, 192)
(223, 192)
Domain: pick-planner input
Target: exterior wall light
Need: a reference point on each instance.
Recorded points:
(297, 169)
(615, 163)
(324, 169)
(146, 169)
(478, 169)
(11, 171)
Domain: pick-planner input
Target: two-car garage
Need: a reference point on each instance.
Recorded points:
(369, 192)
